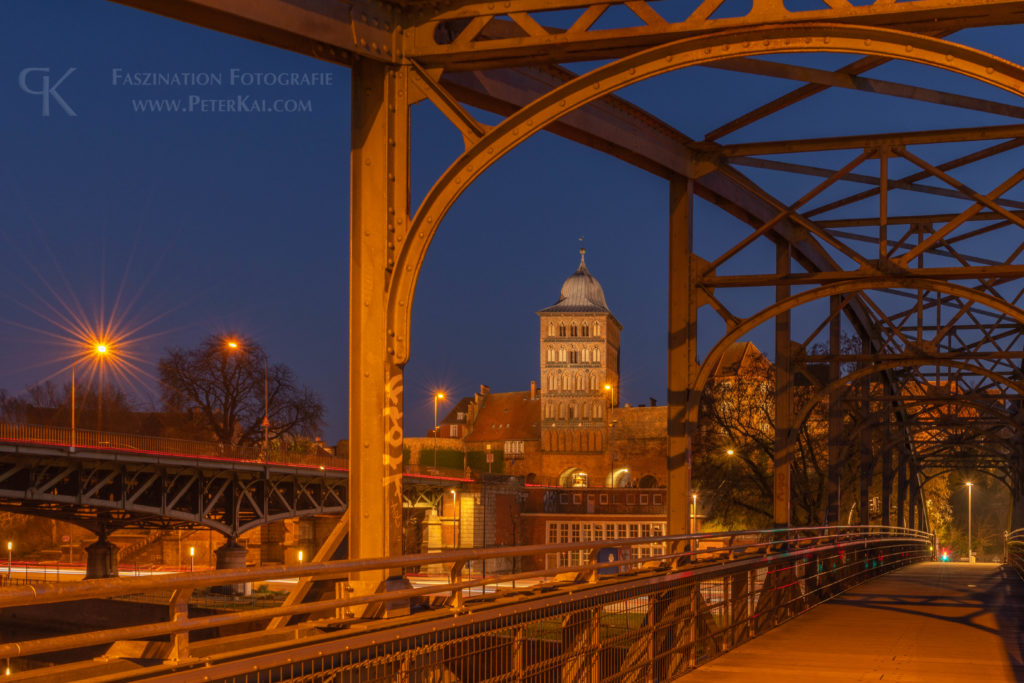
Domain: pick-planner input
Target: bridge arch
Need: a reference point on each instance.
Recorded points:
(789, 303)
(804, 413)
(607, 79)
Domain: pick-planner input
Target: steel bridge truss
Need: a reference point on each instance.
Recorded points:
(105, 491)
(883, 238)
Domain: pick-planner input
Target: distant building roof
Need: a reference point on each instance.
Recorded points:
(457, 415)
(581, 293)
(738, 357)
(507, 416)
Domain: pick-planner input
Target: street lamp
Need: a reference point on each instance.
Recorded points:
(10, 547)
(693, 517)
(191, 558)
(970, 554)
(234, 345)
(455, 519)
(300, 557)
(100, 350)
(438, 396)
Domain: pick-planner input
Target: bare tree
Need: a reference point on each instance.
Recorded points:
(218, 391)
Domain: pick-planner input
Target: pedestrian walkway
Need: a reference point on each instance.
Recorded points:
(930, 622)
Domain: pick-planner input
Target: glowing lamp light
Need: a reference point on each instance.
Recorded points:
(192, 551)
(10, 545)
(300, 556)
(101, 348)
(730, 452)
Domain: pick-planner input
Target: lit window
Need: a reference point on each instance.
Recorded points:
(597, 355)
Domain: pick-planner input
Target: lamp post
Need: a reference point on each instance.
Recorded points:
(693, 517)
(455, 520)
(970, 554)
(191, 558)
(438, 396)
(233, 345)
(100, 350)
(10, 547)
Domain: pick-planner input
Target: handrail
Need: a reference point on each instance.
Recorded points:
(682, 555)
(92, 440)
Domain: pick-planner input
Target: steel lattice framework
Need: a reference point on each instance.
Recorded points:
(105, 491)
(930, 295)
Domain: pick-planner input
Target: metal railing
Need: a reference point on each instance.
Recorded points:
(87, 439)
(1013, 550)
(624, 620)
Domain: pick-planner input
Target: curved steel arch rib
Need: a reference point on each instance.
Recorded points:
(550, 107)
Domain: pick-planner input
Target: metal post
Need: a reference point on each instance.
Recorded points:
(379, 220)
(866, 456)
(682, 351)
(10, 548)
(833, 505)
(783, 397)
(970, 503)
(73, 406)
(266, 407)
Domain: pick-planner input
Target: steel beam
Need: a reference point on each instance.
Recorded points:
(380, 196)
(682, 353)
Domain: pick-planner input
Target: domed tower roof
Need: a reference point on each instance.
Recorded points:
(581, 293)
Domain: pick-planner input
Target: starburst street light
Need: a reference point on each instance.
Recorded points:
(438, 396)
(97, 351)
(235, 345)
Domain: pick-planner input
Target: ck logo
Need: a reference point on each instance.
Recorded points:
(47, 88)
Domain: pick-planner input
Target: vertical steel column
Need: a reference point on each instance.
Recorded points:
(380, 194)
(682, 352)
(901, 487)
(887, 438)
(833, 503)
(783, 396)
(866, 456)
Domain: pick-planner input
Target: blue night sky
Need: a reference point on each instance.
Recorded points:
(192, 223)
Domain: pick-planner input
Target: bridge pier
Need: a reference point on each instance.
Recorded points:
(101, 559)
(232, 556)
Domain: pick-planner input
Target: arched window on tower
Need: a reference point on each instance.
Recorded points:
(598, 410)
(586, 411)
(551, 354)
(597, 355)
(597, 329)
(574, 356)
(593, 382)
(581, 382)
(562, 354)
(561, 329)
(561, 411)
(585, 330)
(551, 328)
(573, 330)
(572, 411)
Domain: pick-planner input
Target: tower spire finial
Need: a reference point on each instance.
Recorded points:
(583, 251)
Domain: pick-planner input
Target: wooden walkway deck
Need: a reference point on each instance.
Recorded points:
(931, 622)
